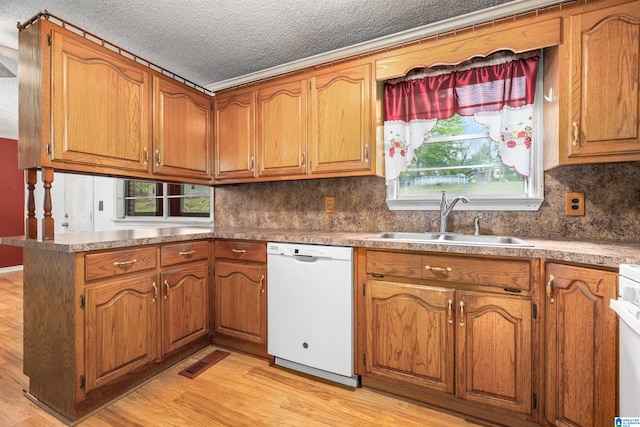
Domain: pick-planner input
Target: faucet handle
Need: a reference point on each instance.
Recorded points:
(476, 224)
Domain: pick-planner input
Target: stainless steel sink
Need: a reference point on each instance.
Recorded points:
(453, 238)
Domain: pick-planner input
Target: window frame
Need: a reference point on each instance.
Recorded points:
(166, 199)
(535, 188)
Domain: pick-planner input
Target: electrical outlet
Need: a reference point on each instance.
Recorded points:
(330, 204)
(574, 204)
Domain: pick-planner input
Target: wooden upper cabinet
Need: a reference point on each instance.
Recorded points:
(282, 129)
(341, 133)
(605, 74)
(182, 130)
(592, 89)
(100, 106)
(235, 135)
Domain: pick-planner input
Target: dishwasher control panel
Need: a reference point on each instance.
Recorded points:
(292, 249)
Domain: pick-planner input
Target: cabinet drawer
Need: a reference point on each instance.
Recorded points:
(241, 250)
(176, 253)
(394, 264)
(113, 263)
(502, 273)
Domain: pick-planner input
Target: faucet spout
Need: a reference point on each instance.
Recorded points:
(446, 208)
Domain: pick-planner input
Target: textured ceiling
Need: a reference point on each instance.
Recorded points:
(207, 41)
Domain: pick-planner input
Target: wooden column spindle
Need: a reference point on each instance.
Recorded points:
(47, 220)
(31, 225)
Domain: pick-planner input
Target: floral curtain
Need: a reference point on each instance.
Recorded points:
(498, 92)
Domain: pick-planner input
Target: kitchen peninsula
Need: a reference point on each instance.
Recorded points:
(76, 281)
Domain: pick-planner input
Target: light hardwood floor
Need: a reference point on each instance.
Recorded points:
(238, 391)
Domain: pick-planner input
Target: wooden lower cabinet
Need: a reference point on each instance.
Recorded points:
(184, 305)
(409, 333)
(113, 345)
(98, 323)
(581, 350)
(467, 345)
(459, 345)
(494, 350)
(240, 289)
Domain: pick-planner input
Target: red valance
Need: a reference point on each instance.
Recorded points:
(467, 92)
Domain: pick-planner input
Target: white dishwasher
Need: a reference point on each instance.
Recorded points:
(627, 306)
(310, 310)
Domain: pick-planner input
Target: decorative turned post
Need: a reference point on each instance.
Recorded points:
(47, 221)
(31, 225)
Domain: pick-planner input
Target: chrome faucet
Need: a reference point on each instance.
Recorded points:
(445, 209)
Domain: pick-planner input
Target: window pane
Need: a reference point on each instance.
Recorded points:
(459, 158)
(189, 200)
(143, 198)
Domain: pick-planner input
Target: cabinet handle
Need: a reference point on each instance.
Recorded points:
(439, 269)
(251, 163)
(238, 251)
(576, 134)
(166, 284)
(549, 284)
(186, 253)
(366, 152)
(146, 156)
(450, 304)
(157, 157)
(461, 313)
(303, 161)
(125, 263)
(262, 284)
(155, 291)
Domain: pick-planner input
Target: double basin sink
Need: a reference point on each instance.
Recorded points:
(453, 238)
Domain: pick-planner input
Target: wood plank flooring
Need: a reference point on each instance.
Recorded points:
(238, 391)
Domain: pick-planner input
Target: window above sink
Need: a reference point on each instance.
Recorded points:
(455, 139)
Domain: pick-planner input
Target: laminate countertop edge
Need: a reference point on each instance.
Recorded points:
(598, 253)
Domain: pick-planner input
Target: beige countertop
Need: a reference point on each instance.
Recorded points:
(607, 254)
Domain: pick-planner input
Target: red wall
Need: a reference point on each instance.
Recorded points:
(12, 208)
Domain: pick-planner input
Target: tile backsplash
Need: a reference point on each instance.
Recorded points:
(612, 200)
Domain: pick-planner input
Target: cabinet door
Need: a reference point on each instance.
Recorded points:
(241, 301)
(494, 350)
(235, 135)
(604, 76)
(341, 120)
(581, 346)
(121, 328)
(182, 131)
(409, 334)
(97, 123)
(185, 302)
(282, 129)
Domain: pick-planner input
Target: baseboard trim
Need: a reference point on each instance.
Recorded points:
(10, 269)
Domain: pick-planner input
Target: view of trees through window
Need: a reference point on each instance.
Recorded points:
(144, 198)
(459, 157)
